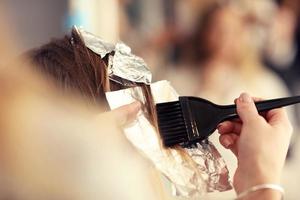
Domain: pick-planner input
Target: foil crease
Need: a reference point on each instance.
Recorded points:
(129, 66)
(204, 171)
(121, 62)
(95, 44)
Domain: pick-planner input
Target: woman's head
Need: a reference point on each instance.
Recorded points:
(223, 32)
(73, 66)
(217, 33)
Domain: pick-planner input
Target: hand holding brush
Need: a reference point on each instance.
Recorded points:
(191, 119)
(260, 145)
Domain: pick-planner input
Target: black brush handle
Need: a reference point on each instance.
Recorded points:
(276, 103)
(230, 112)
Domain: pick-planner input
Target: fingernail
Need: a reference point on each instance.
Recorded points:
(245, 98)
(227, 142)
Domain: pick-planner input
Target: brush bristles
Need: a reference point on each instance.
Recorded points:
(171, 123)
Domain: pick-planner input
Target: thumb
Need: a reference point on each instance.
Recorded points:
(246, 108)
(127, 113)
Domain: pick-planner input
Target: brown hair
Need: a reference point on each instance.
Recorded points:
(74, 67)
(195, 48)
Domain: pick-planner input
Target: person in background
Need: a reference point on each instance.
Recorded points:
(222, 58)
(281, 52)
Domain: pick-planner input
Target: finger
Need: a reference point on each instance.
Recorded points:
(277, 117)
(230, 127)
(127, 113)
(229, 141)
(246, 108)
(235, 100)
(257, 99)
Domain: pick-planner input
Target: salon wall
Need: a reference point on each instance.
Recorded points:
(100, 17)
(35, 21)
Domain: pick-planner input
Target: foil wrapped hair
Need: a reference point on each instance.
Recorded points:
(207, 173)
(121, 63)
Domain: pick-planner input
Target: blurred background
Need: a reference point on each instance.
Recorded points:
(214, 49)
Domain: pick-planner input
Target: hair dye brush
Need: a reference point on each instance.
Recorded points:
(191, 119)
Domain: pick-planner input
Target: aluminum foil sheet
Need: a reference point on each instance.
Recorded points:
(204, 171)
(94, 43)
(121, 62)
(128, 66)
